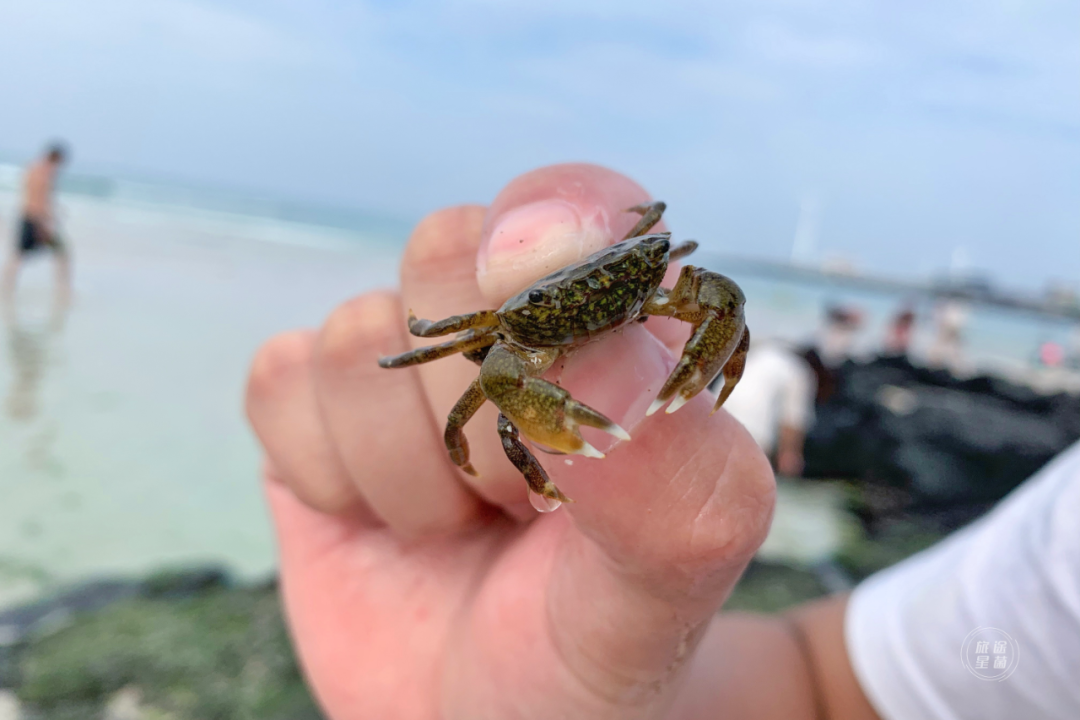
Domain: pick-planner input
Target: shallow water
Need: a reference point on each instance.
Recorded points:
(122, 439)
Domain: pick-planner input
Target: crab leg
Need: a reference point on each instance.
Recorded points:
(682, 250)
(462, 412)
(465, 343)
(650, 215)
(526, 462)
(453, 324)
(543, 411)
(714, 305)
(733, 369)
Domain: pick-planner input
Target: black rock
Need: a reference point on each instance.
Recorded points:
(19, 623)
(186, 582)
(949, 444)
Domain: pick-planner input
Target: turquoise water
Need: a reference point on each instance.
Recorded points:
(122, 441)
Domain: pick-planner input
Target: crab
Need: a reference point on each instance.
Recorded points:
(517, 343)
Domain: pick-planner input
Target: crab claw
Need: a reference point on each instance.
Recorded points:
(544, 412)
(589, 451)
(585, 415)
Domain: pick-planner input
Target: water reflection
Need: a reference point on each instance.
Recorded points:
(29, 345)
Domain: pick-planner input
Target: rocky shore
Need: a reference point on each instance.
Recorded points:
(925, 442)
(174, 646)
(194, 645)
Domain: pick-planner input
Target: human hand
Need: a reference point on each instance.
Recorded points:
(416, 591)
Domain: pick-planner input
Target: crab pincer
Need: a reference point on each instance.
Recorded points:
(713, 303)
(542, 410)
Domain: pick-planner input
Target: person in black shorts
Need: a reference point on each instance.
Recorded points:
(33, 237)
(37, 227)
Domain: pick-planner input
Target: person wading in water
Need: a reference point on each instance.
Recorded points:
(37, 229)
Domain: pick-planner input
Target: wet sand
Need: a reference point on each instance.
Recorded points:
(122, 440)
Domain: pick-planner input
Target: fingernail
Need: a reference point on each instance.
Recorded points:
(533, 240)
(618, 377)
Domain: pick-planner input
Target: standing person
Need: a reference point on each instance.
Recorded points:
(898, 336)
(947, 349)
(842, 324)
(38, 230)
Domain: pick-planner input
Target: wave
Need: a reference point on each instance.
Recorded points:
(272, 216)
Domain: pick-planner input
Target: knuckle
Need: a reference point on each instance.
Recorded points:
(331, 496)
(360, 330)
(328, 493)
(442, 236)
(278, 361)
(734, 522)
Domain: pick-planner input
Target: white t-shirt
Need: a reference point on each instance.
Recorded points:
(1011, 581)
(776, 388)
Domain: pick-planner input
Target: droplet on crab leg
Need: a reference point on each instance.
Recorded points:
(543, 504)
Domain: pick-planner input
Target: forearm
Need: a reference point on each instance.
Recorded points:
(789, 450)
(791, 439)
(787, 667)
(748, 667)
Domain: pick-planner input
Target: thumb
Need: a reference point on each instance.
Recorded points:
(661, 528)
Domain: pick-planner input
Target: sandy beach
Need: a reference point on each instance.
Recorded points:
(122, 439)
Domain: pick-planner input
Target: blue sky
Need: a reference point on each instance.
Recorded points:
(904, 130)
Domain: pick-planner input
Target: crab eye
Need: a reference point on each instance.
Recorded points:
(536, 297)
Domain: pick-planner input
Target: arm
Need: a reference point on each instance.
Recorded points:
(900, 637)
(789, 450)
(786, 667)
(796, 414)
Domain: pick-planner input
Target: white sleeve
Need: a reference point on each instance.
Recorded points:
(912, 630)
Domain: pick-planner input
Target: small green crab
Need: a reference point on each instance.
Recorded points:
(517, 343)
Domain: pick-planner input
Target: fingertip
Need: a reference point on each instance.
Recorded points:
(364, 326)
(549, 218)
(280, 406)
(277, 361)
(444, 242)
